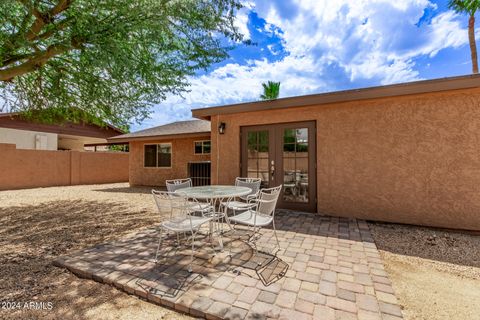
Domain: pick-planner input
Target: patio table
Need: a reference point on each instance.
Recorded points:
(215, 195)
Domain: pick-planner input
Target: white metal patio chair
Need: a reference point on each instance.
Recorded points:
(176, 213)
(177, 184)
(261, 213)
(290, 184)
(244, 204)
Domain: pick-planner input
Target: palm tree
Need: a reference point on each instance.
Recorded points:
(469, 7)
(271, 90)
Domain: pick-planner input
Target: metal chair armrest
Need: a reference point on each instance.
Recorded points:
(249, 206)
(253, 196)
(258, 201)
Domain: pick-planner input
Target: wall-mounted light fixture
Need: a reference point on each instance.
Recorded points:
(221, 127)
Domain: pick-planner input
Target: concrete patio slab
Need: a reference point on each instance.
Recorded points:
(328, 268)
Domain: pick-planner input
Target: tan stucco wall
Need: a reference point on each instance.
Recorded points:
(182, 153)
(25, 139)
(41, 168)
(101, 167)
(412, 159)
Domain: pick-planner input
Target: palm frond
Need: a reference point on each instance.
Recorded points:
(464, 6)
(271, 90)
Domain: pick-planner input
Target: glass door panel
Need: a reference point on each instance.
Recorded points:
(295, 165)
(258, 155)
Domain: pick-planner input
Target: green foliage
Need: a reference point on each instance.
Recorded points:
(110, 59)
(271, 90)
(469, 7)
(119, 147)
(258, 140)
(465, 6)
(291, 143)
(59, 115)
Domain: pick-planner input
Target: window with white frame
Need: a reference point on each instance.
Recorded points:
(158, 155)
(202, 147)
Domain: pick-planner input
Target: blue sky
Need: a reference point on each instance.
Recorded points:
(314, 46)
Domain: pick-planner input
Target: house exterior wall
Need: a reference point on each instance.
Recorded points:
(411, 159)
(25, 139)
(182, 154)
(45, 168)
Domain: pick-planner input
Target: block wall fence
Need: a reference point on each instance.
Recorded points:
(40, 168)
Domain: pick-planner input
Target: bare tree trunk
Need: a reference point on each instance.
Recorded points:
(473, 45)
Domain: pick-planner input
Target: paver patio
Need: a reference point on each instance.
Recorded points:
(334, 272)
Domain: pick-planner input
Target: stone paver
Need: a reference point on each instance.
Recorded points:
(267, 297)
(286, 299)
(292, 284)
(335, 272)
(249, 295)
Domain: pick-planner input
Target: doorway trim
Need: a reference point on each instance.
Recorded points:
(275, 140)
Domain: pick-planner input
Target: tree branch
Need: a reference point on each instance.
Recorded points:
(15, 58)
(39, 21)
(61, 6)
(34, 63)
(45, 18)
(57, 27)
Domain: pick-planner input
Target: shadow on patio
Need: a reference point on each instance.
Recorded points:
(324, 261)
(32, 236)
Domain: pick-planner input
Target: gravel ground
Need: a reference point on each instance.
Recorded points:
(435, 273)
(37, 225)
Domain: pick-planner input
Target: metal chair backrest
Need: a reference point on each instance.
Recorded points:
(174, 185)
(171, 206)
(252, 183)
(267, 201)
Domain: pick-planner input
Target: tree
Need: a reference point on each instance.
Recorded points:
(271, 90)
(108, 60)
(469, 7)
(119, 147)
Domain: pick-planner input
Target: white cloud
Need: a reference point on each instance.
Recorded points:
(241, 21)
(236, 83)
(369, 38)
(328, 43)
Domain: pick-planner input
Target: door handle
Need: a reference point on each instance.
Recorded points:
(272, 169)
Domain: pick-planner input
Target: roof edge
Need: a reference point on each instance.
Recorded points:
(16, 114)
(392, 90)
(160, 137)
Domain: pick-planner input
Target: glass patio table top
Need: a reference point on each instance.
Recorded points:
(214, 192)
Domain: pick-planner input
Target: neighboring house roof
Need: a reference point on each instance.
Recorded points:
(416, 87)
(176, 129)
(14, 120)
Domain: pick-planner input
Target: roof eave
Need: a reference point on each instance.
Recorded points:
(14, 115)
(159, 137)
(403, 89)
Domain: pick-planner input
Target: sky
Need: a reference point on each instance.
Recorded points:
(315, 46)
